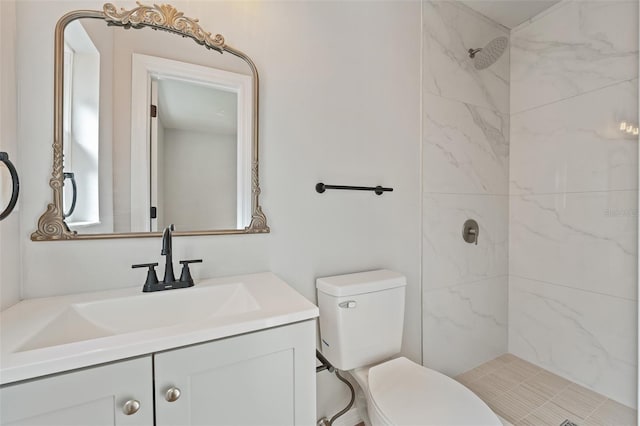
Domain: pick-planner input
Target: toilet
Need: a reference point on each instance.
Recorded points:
(361, 321)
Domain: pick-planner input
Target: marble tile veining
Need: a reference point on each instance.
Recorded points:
(465, 325)
(582, 240)
(447, 259)
(466, 148)
(450, 30)
(579, 47)
(585, 336)
(464, 167)
(520, 400)
(576, 145)
(573, 208)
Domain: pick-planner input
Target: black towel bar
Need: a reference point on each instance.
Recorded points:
(321, 187)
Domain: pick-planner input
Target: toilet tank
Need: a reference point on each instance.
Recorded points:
(361, 317)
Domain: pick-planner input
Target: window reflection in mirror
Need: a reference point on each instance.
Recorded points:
(81, 91)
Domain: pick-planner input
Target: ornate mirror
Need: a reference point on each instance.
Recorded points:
(151, 129)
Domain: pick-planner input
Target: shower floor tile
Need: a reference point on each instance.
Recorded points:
(527, 395)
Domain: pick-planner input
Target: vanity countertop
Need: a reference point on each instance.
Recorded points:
(55, 334)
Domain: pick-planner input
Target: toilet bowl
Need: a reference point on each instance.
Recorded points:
(361, 322)
(402, 393)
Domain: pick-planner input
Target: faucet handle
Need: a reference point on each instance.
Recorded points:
(145, 265)
(185, 276)
(152, 278)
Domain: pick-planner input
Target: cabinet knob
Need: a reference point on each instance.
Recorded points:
(131, 407)
(172, 394)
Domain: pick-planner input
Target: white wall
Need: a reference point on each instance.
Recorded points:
(465, 162)
(573, 205)
(340, 102)
(199, 194)
(10, 252)
(160, 215)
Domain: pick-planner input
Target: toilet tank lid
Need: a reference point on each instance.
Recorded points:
(360, 282)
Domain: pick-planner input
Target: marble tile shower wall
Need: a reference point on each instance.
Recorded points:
(465, 175)
(573, 185)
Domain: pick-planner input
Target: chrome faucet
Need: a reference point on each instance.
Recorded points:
(169, 277)
(169, 281)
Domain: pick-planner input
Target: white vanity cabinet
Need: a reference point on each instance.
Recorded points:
(261, 378)
(92, 396)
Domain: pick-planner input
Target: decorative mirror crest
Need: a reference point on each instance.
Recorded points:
(164, 17)
(51, 225)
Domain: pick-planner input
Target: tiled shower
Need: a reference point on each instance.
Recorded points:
(532, 149)
(573, 194)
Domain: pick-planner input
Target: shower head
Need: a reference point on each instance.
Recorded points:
(488, 55)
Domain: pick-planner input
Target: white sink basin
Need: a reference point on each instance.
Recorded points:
(54, 334)
(68, 327)
(169, 307)
(107, 317)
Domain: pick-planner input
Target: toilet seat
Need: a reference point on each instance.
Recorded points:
(403, 393)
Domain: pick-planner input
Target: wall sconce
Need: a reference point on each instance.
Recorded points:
(629, 128)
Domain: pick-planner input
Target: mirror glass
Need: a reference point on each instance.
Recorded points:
(156, 130)
(183, 137)
(194, 144)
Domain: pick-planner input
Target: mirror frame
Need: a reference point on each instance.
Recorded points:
(51, 225)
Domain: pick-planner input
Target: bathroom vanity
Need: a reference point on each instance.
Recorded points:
(237, 350)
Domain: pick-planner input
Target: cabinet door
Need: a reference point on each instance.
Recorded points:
(92, 396)
(262, 378)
